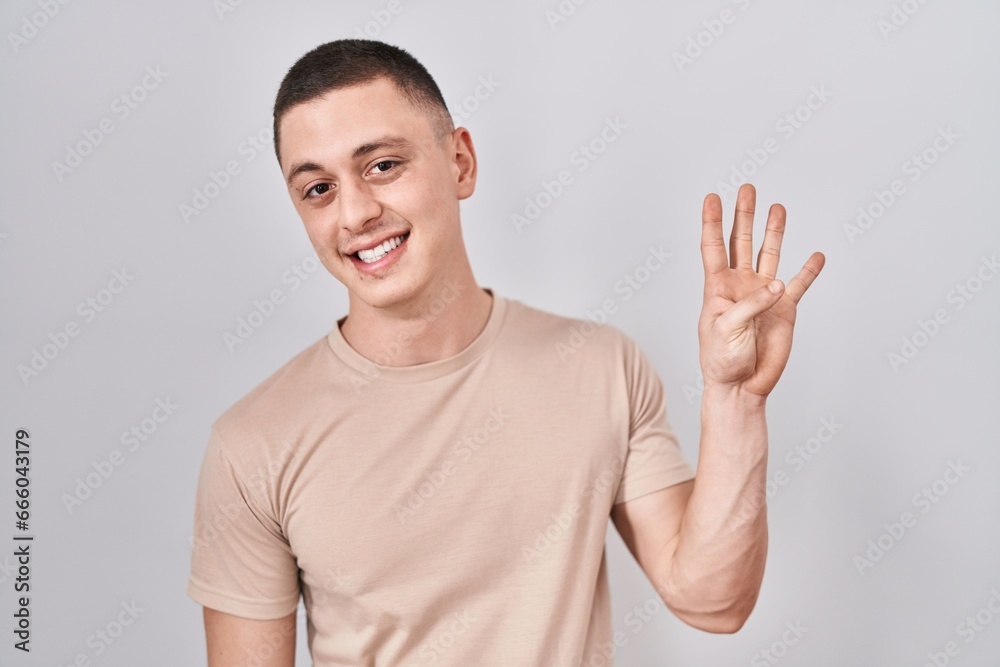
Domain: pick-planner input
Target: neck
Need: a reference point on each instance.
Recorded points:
(437, 325)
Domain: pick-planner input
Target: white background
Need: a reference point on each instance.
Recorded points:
(689, 127)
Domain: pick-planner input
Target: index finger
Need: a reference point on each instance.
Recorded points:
(713, 245)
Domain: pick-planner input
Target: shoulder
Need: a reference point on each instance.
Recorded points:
(530, 321)
(276, 398)
(567, 338)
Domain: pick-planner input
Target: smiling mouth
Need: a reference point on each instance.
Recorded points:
(381, 250)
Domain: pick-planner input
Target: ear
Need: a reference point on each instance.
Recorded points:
(464, 154)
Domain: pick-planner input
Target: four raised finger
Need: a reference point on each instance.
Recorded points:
(770, 249)
(741, 239)
(798, 285)
(713, 246)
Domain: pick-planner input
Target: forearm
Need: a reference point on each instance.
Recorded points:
(720, 551)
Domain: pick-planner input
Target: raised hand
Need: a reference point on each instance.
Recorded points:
(745, 328)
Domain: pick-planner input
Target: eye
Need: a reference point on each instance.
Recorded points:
(317, 190)
(383, 166)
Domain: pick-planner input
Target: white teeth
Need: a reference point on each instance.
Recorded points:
(379, 251)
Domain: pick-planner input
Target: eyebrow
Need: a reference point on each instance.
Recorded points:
(359, 152)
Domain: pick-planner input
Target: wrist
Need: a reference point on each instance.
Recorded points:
(732, 396)
(733, 426)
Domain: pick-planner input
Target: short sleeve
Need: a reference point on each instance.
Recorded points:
(654, 460)
(241, 563)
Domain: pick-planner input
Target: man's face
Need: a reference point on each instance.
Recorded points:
(378, 191)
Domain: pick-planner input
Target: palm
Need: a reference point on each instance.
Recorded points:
(745, 332)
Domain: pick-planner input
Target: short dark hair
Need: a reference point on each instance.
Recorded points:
(351, 62)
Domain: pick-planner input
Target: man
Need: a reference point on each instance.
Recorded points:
(436, 475)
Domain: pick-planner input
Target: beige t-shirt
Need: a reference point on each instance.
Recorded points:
(448, 513)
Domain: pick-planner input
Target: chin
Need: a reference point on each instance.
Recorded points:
(383, 294)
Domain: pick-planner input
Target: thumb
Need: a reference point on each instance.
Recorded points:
(753, 304)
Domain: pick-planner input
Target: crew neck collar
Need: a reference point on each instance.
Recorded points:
(427, 371)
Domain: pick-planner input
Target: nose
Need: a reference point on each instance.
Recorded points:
(358, 206)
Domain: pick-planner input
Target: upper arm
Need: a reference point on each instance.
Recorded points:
(650, 526)
(234, 641)
(657, 480)
(241, 560)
